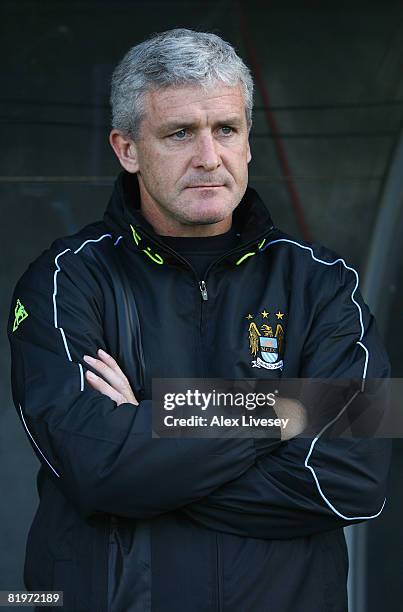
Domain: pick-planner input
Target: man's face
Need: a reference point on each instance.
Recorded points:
(192, 154)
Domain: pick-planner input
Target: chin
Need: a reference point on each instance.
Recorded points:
(208, 211)
(211, 215)
(206, 220)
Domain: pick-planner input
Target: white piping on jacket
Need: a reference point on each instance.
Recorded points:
(55, 320)
(309, 467)
(364, 374)
(55, 284)
(32, 438)
(55, 296)
(65, 343)
(80, 367)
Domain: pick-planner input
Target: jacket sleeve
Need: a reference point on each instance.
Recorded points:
(95, 452)
(309, 485)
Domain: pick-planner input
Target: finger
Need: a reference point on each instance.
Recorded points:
(116, 379)
(97, 383)
(103, 387)
(109, 360)
(113, 364)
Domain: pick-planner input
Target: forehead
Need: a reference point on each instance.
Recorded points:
(193, 102)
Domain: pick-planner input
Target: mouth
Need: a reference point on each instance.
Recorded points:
(205, 187)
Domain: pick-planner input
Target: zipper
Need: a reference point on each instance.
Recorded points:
(219, 573)
(203, 290)
(202, 282)
(111, 560)
(140, 390)
(203, 306)
(142, 361)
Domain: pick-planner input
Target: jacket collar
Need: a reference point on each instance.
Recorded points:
(123, 216)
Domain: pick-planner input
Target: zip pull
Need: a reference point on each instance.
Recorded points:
(203, 290)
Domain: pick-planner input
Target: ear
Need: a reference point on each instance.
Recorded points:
(248, 153)
(125, 150)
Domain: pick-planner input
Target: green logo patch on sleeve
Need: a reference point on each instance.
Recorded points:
(19, 314)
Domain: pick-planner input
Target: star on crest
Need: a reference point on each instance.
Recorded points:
(265, 314)
(279, 315)
(249, 317)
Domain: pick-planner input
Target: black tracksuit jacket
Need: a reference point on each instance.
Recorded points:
(131, 523)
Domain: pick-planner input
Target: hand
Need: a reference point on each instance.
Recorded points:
(113, 383)
(294, 411)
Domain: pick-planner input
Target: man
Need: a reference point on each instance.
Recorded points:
(186, 276)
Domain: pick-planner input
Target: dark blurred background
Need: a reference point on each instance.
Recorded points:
(327, 151)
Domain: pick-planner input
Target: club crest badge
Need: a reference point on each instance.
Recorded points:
(266, 346)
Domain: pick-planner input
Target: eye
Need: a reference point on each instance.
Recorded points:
(227, 130)
(180, 134)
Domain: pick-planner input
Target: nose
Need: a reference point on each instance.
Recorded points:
(206, 155)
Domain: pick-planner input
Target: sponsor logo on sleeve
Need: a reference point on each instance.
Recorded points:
(20, 314)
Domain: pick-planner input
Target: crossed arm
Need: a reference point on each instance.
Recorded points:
(103, 458)
(275, 498)
(113, 383)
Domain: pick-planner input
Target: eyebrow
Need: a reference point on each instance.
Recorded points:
(174, 126)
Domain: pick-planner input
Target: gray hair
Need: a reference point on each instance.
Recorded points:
(173, 58)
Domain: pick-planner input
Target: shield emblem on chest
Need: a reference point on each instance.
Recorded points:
(268, 349)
